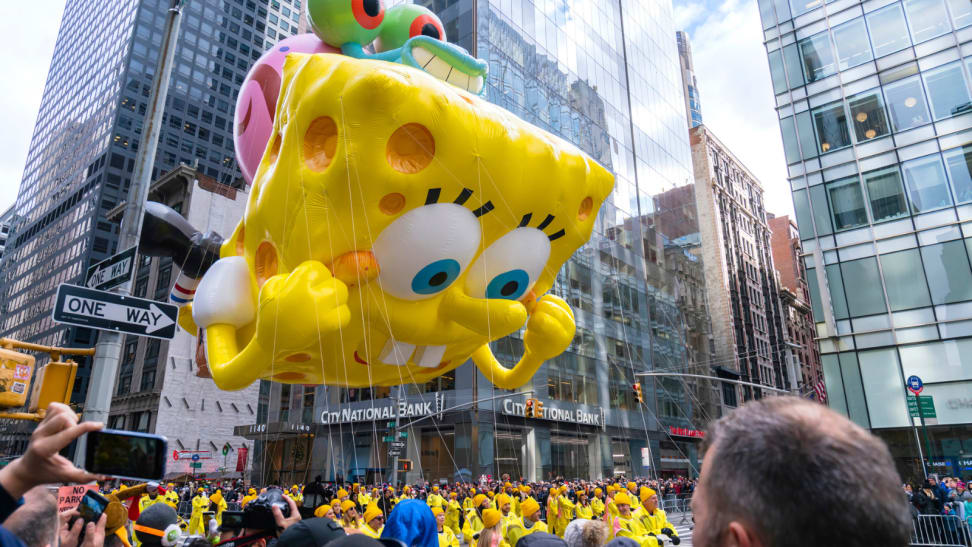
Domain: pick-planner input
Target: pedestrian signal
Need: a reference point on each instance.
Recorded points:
(639, 396)
(528, 410)
(404, 465)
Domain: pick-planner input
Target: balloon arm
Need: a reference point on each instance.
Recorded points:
(231, 368)
(502, 377)
(166, 233)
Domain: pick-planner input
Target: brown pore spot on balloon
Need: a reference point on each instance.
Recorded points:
(584, 211)
(320, 143)
(298, 358)
(392, 203)
(274, 149)
(265, 262)
(410, 149)
(240, 243)
(289, 376)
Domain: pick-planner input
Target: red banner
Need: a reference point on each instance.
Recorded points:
(241, 458)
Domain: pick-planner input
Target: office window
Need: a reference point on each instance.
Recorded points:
(948, 271)
(847, 203)
(958, 162)
(802, 6)
(927, 19)
(790, 148)
(906, 103)
(862, 287)
(852, 45)
(926, 183)
(835, 283)
(867, 113)
(802, 209)
(904, 281)
(793, 65)
(886, 194)
(830, 122)
(766, 13)
(961, 12)
(816, 303)
(888, 30)
(818, 57)
(777, 72)
(821, 213)
(947, 91)
(804, 127)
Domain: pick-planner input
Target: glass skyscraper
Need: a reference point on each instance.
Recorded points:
(604, 76)
(874, 107)
(88, 131)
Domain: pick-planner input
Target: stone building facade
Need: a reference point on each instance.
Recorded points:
(157, 389)
(748, 326)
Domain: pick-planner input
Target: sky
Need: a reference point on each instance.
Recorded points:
(730, 65)
(735, 88)
(29, 30)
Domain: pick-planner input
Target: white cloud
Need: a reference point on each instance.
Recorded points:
(737, 95)
(687, 14)
(29, 30)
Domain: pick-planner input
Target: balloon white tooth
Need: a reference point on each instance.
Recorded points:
(459, 79)
(422, 55)
(429, 356)
(475, 85)
(396, 353)
(438, 68)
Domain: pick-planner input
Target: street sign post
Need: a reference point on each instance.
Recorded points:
(112, 271)
(919, 407)
(398, 444)
(195, 465)
(101, 310)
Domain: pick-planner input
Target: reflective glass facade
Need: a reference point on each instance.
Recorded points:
(88, 129)
(874, 101)
(606, 77)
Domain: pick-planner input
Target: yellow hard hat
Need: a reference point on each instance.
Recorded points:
(598, 491)
(437, 510)
(478, 500)
(347, 505)
(645, 493)
(632, 486)
(622, 498)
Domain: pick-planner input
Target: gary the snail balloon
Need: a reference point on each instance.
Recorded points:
(397, 223)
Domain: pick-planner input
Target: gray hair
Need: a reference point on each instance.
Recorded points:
(35, 522)
(799, 474)
(586, 533)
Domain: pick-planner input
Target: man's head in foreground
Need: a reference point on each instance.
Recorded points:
(783, 472)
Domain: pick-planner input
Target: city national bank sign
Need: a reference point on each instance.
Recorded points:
(389, 410)
(574, 416)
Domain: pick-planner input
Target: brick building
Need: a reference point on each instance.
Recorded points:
(795, 298)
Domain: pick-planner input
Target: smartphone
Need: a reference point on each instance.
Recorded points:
(92, 506)
(126, 455)
(232, 520)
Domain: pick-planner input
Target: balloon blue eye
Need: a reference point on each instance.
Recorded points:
(436, 276)
(509, 285)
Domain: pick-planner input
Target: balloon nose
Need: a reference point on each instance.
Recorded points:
(491, 318)
(355, 267)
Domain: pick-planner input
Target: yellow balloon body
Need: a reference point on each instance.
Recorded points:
(396, 226)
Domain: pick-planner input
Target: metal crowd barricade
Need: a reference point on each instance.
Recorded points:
(184, 509)
(233, 506)
(941, 531)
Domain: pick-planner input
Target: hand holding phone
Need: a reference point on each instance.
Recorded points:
(42, 463)
(126, 455)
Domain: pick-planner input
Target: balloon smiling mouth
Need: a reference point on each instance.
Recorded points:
(446, 62)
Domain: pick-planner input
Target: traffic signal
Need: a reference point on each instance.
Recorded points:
(639, 397)
(404, 465)
(538, 409)
(528, 410)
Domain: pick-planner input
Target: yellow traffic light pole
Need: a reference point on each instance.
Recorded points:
(53, 381)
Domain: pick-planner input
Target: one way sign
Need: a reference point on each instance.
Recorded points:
(108, 311)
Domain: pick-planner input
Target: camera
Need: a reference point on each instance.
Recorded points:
(257, 514)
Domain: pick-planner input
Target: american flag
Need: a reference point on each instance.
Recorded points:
(821, 391)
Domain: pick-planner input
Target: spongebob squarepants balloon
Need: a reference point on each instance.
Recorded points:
(397, 223)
